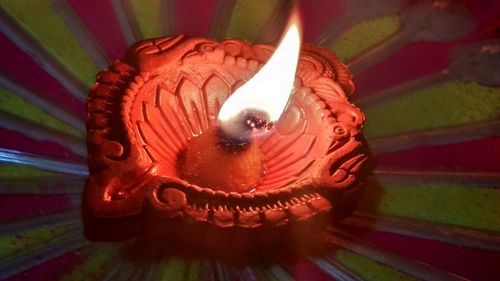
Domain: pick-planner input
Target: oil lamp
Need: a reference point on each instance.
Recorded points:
(248, 113)
(188, 135)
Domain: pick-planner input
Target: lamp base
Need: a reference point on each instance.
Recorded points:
(207, 162)
(162, 101)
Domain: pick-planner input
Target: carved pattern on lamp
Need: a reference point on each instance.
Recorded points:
(143, 111)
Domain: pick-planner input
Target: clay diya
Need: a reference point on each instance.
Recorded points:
(160, 159)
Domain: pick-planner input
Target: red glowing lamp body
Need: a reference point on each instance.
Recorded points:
(144, 111)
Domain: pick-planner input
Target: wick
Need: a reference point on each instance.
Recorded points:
(238, 135)
(255, 122)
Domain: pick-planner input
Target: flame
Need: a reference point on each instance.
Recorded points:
(269, 90)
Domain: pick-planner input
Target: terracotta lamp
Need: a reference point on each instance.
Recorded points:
(189, 133)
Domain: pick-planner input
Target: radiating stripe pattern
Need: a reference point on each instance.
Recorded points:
(430, 208)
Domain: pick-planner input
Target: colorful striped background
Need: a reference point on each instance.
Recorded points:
(431, 207)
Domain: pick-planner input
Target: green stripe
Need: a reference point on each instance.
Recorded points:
(444, 105)
(364, 35)
(17, 243)
(170, 269)
(18, 171)
(41, 22)
(148, 14)
(17, 106)
(194, 270)
(92, 265)
(369, 269)
(249, 17)
(445, 203)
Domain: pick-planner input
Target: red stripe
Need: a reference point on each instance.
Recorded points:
(193, 17)
(468, 262)
(316, 16)
(99, 18)
(16, 65)
(23, 206)
(17, 141)
(474, 156)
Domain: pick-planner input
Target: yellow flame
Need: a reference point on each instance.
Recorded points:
(270, 88)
